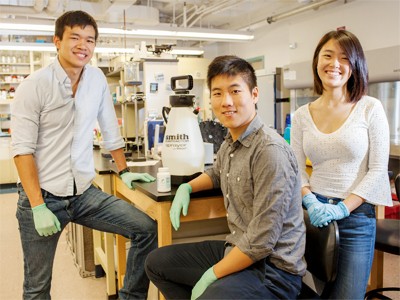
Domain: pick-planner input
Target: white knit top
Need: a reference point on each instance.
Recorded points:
(353, 159)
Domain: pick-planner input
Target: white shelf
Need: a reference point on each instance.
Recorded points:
(9, 82)
(15, 73)
(17, 62)
(14, 64)
(115, 73)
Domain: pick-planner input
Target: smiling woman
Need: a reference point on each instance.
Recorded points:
(350, 53)
(333, 65)
(345, 134)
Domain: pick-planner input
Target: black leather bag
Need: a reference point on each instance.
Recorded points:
(213, 132)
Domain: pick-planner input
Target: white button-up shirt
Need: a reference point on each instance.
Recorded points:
(57, 128)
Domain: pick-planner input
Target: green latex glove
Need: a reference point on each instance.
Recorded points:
(46, 223)
(128, 177)
(180, 204)
(204, 282)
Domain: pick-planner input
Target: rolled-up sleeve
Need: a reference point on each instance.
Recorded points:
(260, 181)
(25, 117)
(273, 186)
(108, 122)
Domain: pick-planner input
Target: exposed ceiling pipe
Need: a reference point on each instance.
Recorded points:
(39, 5)
(184, 15)
(53, 6)
(203, 11)
(198, 11)
(173, 13)
(19, 10)
(298, 10)
(40, 9)
(34, 7)
(188, 10)
(260, 23)
(209, 10)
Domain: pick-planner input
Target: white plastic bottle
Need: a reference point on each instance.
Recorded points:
(163, 180)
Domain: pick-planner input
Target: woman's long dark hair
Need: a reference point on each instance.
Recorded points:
(357, 84)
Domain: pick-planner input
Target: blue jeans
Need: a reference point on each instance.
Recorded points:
(356, 251)
(94, 209)
(176, 269)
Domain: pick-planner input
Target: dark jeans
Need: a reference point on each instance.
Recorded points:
(176, 269)
(94, 209)
(356, 251)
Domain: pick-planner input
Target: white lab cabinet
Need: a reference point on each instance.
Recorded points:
(8, 172)
(80, 241)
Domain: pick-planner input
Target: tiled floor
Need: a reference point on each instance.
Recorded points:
(67, 283)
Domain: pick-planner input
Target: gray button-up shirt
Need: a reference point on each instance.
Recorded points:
(260, 181)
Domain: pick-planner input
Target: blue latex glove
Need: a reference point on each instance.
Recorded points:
(331, 212)
(128, 177)
(180, 204)
(204, 282)
(46, 223)
(313, 205)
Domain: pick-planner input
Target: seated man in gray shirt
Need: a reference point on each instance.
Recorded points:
(262, 257)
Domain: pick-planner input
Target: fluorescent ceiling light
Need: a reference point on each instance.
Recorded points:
(28, 47)
(27, 27)
(165, 32)
(51, 48)
(47, 47)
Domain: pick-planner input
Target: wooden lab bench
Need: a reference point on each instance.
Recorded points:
(205, 205)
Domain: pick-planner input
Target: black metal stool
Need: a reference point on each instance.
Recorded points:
(321, 255)
(387, 240)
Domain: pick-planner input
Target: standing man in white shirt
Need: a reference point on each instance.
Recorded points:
(53, 116)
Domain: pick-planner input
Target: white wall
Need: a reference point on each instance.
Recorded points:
(375, 22)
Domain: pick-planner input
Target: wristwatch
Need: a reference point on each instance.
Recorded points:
(123, 171)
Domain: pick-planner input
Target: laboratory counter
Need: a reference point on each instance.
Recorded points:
(205, 205)
(106, 166)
